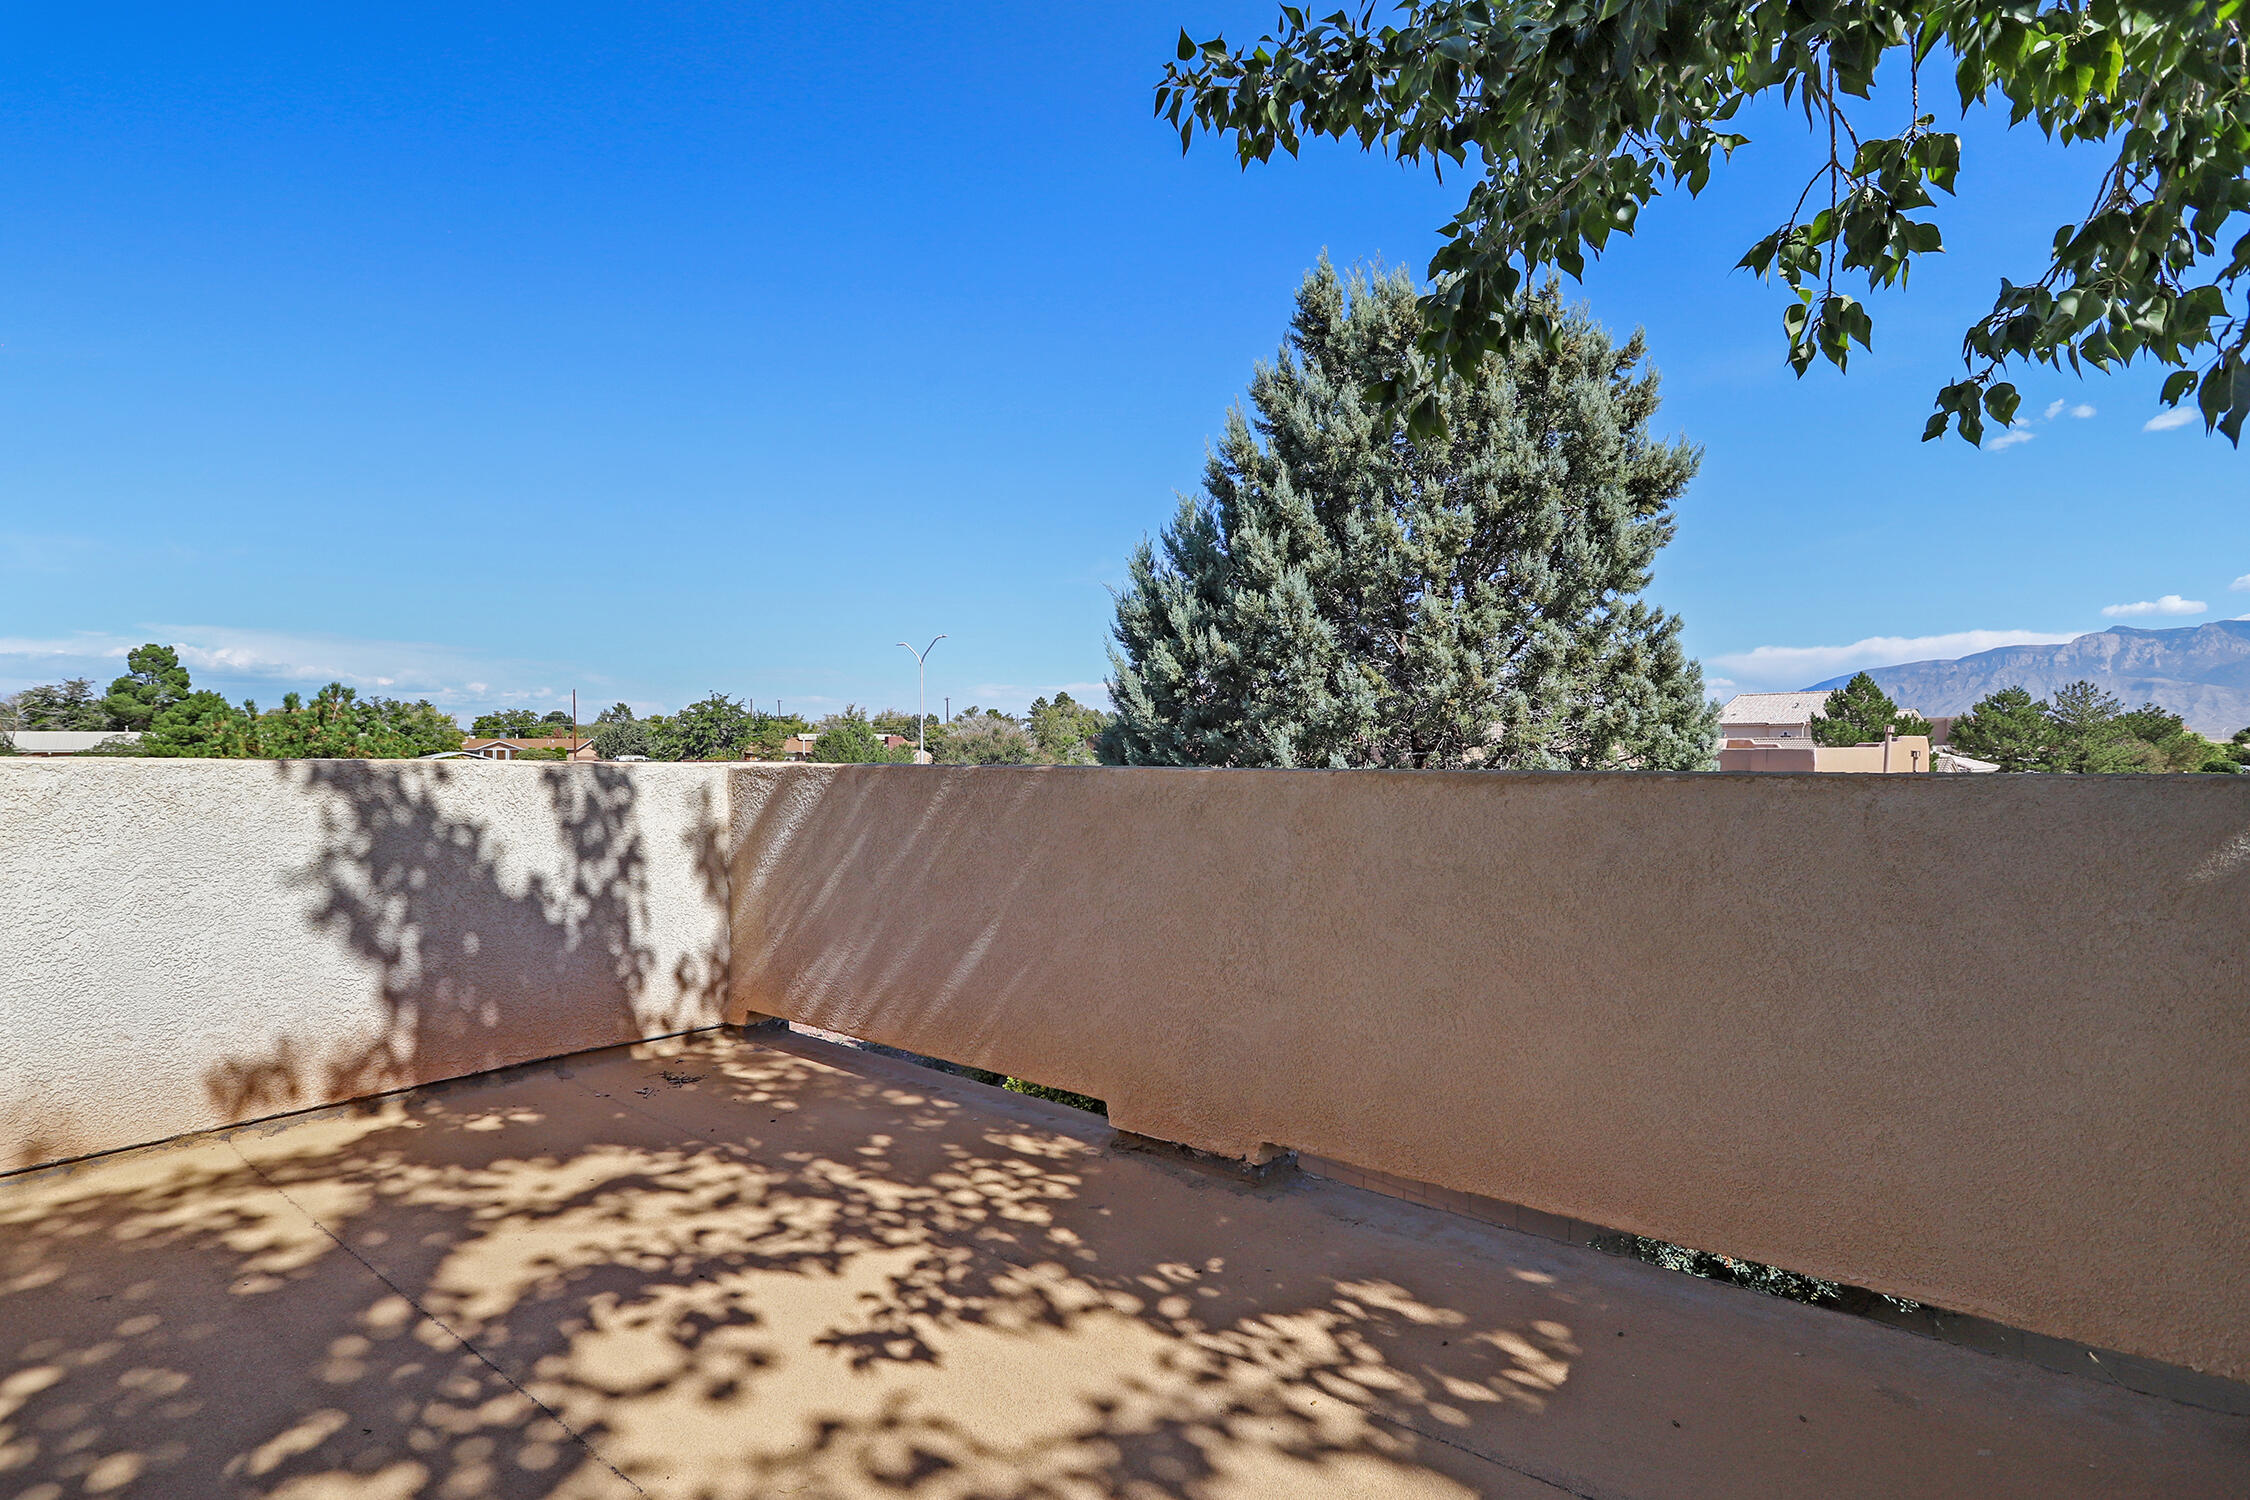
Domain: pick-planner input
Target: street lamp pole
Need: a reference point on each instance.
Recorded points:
(922, 697)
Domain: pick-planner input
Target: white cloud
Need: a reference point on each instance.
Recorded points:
(234, 660)
(2240, 583)
(2054, 409)
(2165, 421)
(2020, 433)
(2169, 604)
(1786, 668)
(87, 645)
(2082, 410)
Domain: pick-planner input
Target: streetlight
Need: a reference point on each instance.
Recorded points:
(921, 696)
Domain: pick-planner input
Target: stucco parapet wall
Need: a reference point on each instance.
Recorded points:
(1982, 1042)
(190, 943)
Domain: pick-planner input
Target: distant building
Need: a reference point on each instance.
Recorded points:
(800, 746)
(65, 741)
(1769, 716)
(1896, 755)
(514, 749)
(1787, 718)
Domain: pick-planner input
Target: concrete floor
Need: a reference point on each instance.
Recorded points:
(710, 1268)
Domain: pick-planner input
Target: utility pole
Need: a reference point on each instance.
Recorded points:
(922, 698)
(949, 709)
(574, 723)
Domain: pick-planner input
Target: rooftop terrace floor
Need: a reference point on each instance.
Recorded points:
(714, 1267)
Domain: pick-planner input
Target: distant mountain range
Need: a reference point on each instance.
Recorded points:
(2200, 672)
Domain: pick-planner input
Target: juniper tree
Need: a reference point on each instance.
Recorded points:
(1340, 594)
(1860, 711)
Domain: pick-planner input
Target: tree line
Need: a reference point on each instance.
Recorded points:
(1060, 731)
(156, 699)
(2086, 730)
(2081, 729)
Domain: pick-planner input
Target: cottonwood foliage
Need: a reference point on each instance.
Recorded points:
(1341, 594)
(1578, 112)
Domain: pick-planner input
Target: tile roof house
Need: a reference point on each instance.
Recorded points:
(1770, 716)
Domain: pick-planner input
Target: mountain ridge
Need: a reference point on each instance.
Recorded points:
(2200, 672)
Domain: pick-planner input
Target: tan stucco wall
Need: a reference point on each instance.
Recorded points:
(186, 943)
(1907, 753)
(1980, 1041)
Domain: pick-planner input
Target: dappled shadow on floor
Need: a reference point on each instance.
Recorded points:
(716, 1271)
(706, 1268)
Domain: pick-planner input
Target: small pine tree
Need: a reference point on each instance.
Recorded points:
(1341, 594)
(2088, 735)
(2008, 728)
(1860, 712)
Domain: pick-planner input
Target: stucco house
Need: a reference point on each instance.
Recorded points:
(514, 749)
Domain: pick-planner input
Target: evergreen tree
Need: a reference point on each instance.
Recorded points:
(1859, 712)
(2008, 728)
(68, 705)
(338, 724)
(1342, 595)
(2177, 747)
(154, 680)
(204, 725)
(2087, 735)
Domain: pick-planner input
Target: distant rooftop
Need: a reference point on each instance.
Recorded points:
(64, 741)
(1772, 708)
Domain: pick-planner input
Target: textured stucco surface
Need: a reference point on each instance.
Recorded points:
(1983, 1041)
(188, 943)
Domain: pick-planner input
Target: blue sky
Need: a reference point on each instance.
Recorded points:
(484, 354)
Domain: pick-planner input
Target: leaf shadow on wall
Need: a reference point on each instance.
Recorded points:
(479, 966)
